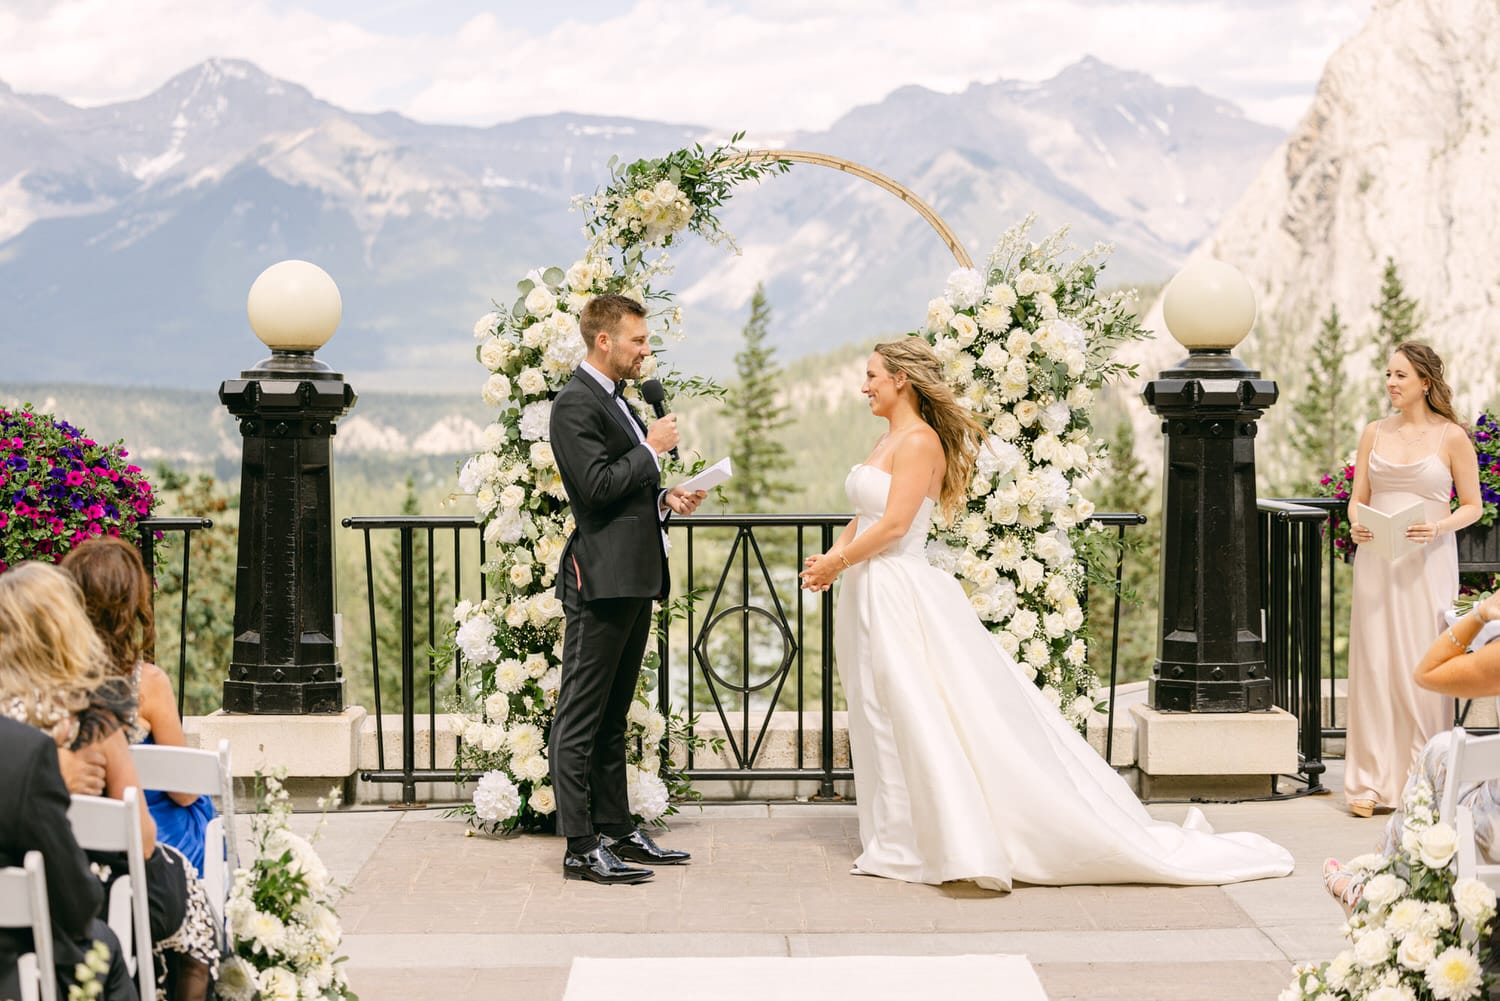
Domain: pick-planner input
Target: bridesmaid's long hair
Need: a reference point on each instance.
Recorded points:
(1430, 367)
(959, 432)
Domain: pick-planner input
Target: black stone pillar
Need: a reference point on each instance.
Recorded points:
(1211, 655)
(284, 659)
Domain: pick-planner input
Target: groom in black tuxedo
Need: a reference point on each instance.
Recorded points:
(612, 567)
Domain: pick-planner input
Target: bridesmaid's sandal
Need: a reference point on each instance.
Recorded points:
(1362, 807)
(1342, 885)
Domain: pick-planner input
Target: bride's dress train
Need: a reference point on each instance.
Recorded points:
(963, 770)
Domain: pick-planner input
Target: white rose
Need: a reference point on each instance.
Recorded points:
(1029, 574)
(1047, 548)
(541, 455)
(1076, 653)
(1474, 901)
(543, 800)
(1027, 412)
(939, 315)
(1373, 947)
(532, 768)
(1080, 396)
(540, 301)
(1053, 625)
(1018, 343)
(497, 707)
(1416, 951)
(1075, 362)
(964, 329)
(1073, 618)
(1005, 427)
(493, 353)
(491, 738)
(512, 497)
(1436, 845)
(515, 614)
(549, 606)
(496, 389)
(520, 575)
(531, 382)
(1022, 625)
(1383, 890)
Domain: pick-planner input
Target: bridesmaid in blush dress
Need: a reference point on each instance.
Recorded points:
(1419, 454)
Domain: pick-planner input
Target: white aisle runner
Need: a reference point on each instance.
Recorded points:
(783, 978)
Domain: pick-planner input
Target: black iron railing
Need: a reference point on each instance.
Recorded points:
(153, 530)
(1291, 574)
(750, 646)
(409, 530)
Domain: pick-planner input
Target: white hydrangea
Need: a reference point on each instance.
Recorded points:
(647, 794)
(939, 315)
(536, 419)
(486, 325)
(476, 638)
(965, 288)
(496, 797)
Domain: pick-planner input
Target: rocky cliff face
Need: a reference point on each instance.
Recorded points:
(1398, 157)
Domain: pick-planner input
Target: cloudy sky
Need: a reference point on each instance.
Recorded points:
(764, 65)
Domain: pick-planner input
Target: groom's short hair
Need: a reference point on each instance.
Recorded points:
(603, 313)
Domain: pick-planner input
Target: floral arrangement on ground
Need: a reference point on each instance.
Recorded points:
(510, 644)
(284, 930)
(1026, 345)
(1418, 931)
(58, 487)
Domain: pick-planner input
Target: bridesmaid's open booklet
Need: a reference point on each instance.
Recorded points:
(1390, 539)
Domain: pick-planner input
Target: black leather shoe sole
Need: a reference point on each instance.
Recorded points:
(643, 858)
(591, 876)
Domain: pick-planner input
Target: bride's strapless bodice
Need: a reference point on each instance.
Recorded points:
(867, 488)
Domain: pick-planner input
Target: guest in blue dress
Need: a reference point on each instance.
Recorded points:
(117, 595)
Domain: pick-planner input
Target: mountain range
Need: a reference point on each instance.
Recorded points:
(131, 232)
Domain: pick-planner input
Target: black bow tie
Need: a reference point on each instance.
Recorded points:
(619, 389)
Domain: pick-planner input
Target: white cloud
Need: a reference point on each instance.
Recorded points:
(760, 64)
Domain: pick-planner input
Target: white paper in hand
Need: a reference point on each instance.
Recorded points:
(1390, 539)
(710, 477)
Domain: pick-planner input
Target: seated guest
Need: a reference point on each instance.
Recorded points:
(42, 618)
(117, 598)
(34, 807)
(1447, 668)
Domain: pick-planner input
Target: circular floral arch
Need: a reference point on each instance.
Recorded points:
(876, 178)
(1024, 344)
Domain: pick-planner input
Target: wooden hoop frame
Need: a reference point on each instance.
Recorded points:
(874, 177)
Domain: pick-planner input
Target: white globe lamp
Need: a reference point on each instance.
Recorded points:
(294, 307)
(1209, 308)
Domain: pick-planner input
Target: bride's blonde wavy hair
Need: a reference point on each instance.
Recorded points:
(956, 428)
(50, 656)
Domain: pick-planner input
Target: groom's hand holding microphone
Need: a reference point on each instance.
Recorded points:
(663, 437)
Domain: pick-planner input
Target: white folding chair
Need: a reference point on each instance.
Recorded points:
(109, 825)
(23, 903)
(1470, 759)
(204, 773)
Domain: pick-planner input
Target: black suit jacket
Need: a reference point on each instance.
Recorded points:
(34, 817)
(615, 550)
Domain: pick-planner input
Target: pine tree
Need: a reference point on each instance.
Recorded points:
(1321, 433)
(1397, 316)
(759, 456)
(1123, 487)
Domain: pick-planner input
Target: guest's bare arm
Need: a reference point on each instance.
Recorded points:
(120, 775)
(159, 708)
(1447, 668)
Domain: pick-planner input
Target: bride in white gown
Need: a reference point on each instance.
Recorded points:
(963, 770)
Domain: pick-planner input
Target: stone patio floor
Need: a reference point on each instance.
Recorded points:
(431, 913)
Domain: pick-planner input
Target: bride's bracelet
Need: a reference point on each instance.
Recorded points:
(845, 560)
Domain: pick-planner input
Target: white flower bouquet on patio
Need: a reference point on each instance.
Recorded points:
(510, 644)
(284, 930)
(1026, 345)
(1418, 931)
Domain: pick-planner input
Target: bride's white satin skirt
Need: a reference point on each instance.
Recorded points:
(964, 771)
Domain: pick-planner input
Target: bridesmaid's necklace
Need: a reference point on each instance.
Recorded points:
(1412, 439)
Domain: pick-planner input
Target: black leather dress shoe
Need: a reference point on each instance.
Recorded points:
(600, 865)
(638, 847)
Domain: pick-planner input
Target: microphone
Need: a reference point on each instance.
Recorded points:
(653, 393)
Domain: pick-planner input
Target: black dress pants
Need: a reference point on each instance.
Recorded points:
(602, 649)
